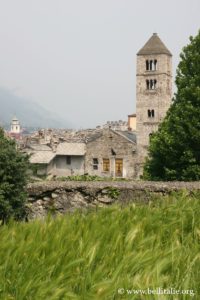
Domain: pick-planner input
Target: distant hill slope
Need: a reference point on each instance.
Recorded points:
(29, 113)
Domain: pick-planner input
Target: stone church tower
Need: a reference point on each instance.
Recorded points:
(153, 92)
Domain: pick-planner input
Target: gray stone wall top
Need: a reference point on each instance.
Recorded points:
(45, 186)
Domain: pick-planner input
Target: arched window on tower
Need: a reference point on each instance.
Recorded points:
(151, 65)
(148, 84)
(147, 65)
(151, 84)
(151, 113)
(155, 64)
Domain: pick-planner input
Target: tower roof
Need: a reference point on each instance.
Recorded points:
(15, 118)
(154, 46)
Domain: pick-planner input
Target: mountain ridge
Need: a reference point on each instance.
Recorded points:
(29, 113)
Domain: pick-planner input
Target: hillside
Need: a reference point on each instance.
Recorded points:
(110, 253)
(29, 113)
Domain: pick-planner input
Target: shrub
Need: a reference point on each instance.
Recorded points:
(13, 178)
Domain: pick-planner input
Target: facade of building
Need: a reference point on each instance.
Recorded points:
(66, 160)
(153, 92)
(111, 154)
(15, 129)
(112, 150)
(41, 158)
(106, 153)
(69, 159)
(132, 122)
(15, 126)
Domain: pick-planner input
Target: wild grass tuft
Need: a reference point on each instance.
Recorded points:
(91, 255)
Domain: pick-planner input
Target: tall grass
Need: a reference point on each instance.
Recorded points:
(91, 255)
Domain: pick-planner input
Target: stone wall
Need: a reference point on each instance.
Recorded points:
(60, 197)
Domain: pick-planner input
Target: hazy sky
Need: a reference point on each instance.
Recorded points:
(78, 57)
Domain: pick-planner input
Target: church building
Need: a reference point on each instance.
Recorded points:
(153, 92)
(113, 152)
(15, 129)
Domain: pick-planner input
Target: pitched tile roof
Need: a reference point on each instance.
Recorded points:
(71, 149)
(154, 46)
(39, 147)
(41, 157)
(129, 135)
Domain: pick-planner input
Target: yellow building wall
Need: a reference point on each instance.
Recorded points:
(132, 122)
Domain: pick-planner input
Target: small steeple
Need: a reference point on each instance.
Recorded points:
(15, 126)
(154, 46)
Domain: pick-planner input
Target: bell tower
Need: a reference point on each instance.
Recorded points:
(15, 126)
(153, 92)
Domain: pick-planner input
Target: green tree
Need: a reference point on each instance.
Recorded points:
(174, 151)
(13, 179)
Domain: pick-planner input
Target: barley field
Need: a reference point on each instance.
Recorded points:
(110, 253)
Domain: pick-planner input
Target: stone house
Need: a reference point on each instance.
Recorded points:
(66, 160)
(106, 153)
(41, 158)
(69, 159)
(111, 154)
(42, 162)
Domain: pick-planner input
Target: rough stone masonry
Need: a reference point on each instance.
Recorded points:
(58, 197)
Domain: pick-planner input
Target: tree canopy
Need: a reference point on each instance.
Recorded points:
(174, 151)
(13, 169)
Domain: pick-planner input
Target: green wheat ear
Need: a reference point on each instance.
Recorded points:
(91, 255)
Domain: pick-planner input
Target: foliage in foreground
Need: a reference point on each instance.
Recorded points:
(13, 178)
(91, 255)
(174, 152)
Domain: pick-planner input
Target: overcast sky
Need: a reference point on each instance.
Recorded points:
(78, 57)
